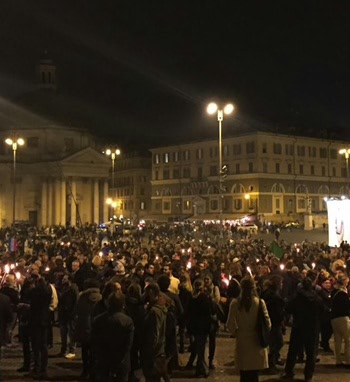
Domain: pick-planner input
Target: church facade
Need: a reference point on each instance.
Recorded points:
(58, 176)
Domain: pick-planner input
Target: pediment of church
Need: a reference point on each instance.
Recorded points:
(86, 163)
(87, 156)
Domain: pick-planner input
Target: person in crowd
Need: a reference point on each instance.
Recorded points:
(185, 295)
(23, 323)
(78, 275)
(149, 271)
(174, 314)
(10, 290)
(153, 357)
(5, 319)
(83, 317)
(102, 305)
(174, 281)
(201, 310)
(53, 308)
(326, 326)
(111, 341)
(306, 309)
(138, 276)
(275, 304)
(135, 309)
(39, 297)
(242, 322)
(340, 313)
(66, 307)
(214, 292)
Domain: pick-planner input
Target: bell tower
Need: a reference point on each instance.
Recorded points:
(46, 73)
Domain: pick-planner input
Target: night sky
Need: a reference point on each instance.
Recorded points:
(145, 70)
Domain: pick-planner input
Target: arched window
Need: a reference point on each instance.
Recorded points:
(344, 190)
(301, 189)
(166, 192)
(323, 190)
(278, 188)
(238, 189)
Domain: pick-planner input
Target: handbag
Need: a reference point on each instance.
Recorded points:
(262, 327)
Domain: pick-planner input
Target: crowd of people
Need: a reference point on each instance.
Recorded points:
(136, 302)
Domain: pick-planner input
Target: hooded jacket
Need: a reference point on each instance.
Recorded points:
(154, 332)
(307, 309)
(83, 313)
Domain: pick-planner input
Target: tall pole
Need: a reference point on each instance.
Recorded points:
(14, 144)
(213, 109)
(346, 153)
(347, 168)
(220, 118)
(14, 148)
(113, 166)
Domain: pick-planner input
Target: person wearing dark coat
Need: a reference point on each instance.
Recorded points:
(102, 306)
(83, 318)
(66, 306)
(9, 289)
(340, 320)
(134, 308)
(200, 315)
(153, 358)
(39, 297)
(276, 308)
(185, 295)
(307, 309)
(5, 317)
(175, 312)
(326, 327)
(111, 340)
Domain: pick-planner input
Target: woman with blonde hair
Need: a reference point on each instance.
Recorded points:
(185, 295)
(250, 356)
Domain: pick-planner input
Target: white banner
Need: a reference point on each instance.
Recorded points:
(338, 222)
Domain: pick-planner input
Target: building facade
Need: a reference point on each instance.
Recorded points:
(274, 176)
(55, 184)
(132, 191)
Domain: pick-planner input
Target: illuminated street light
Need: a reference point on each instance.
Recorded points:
(113, 153)
(346, 153)
(213, 108)
(14, 143)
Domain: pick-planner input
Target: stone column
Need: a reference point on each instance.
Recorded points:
(50, 203)
(105, 196)
(57, 203)
(63, 218)
(73, 207)
(96, 198)
(44, 203)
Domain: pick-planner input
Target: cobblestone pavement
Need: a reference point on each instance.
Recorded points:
(61, 369)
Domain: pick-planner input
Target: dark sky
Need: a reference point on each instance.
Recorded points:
(145, 70)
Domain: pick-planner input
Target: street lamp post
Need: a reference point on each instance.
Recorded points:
(14, 143)
(113, 154)
(346, 153)
(228, 109)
